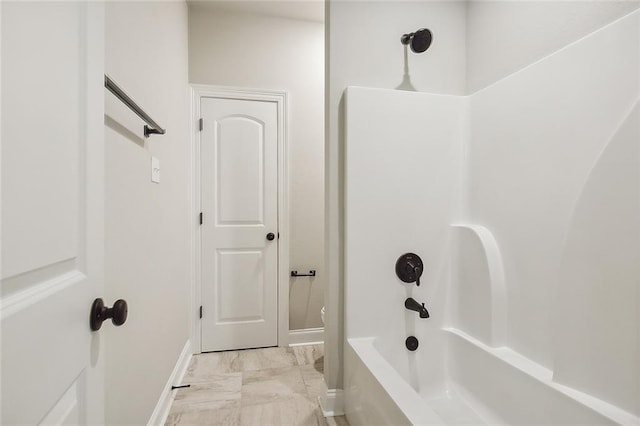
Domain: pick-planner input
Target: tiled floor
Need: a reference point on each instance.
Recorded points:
(270, 386)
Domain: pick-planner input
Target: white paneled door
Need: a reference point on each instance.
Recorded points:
(52, 207)
(239, 197)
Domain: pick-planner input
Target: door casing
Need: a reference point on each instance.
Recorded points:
(198, 92)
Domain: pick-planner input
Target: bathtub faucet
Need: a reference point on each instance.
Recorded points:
(412, 305)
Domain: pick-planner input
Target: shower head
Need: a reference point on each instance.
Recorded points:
(419, 41)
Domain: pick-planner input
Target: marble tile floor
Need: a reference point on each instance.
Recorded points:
(269, 386)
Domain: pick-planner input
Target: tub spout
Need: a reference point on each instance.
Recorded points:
(413, 305)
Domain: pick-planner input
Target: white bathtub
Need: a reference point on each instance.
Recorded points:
(472, 365)
(472, 384)
(529, 237)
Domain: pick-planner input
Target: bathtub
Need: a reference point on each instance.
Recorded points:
(472, 365)
(530, 252)
(472, 384)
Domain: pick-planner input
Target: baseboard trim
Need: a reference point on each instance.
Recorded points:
(307, 336)
(332, 404)
(161, 412)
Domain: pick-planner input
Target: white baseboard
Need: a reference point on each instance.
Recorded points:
(332, 404)
(307, 336)
(160, 413)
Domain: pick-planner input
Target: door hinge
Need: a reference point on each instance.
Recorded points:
(200, 312)
(201, 218)
(201, 124)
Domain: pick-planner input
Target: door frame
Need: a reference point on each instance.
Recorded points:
(280, 98)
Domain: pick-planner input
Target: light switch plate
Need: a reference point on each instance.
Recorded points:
(155, 170)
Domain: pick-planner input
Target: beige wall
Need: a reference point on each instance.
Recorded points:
(147, 234)
(262, 52)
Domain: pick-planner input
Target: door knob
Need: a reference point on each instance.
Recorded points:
(271, 236)
(100, 313)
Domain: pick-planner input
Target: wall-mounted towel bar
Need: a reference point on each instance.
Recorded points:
(152, 127)
(312, 273)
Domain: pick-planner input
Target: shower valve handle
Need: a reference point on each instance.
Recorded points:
(409, 268)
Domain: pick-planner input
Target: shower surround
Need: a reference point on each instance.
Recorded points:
(523, 201)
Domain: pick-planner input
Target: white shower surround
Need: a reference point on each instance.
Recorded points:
(523, 201)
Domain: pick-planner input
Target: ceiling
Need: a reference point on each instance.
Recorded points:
(306, 10)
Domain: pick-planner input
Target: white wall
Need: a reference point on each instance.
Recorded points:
(363, 48)
(505, 36)
(416, 139)
(606, 212)
(553, 160)
(263, 52)
(147, 231)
